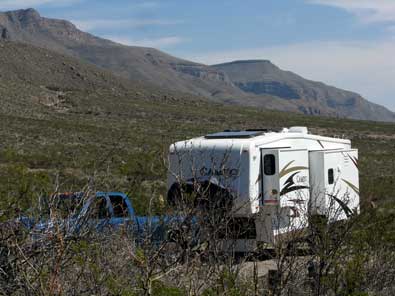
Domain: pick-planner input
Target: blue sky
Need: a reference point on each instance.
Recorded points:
(346, 43)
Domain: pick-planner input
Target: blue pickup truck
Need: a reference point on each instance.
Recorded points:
(74, 213)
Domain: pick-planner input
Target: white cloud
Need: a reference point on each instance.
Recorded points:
(20, 4)
(163, 42)
(367, 10)
(363, 67)
(93, 24)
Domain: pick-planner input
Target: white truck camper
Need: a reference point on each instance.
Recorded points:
(276, 179)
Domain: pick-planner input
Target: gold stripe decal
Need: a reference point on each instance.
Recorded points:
(287, 166)
(354, 160)
(352, 186)
(285, 171)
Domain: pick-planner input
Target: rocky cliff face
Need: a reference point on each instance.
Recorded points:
(252, 83)
(261, 77)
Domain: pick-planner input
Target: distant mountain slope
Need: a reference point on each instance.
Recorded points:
(260, 77)
(255, 83)
(137, 63)
(36, 82)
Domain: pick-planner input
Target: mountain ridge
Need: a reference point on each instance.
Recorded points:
(258, 76)
(257, 83)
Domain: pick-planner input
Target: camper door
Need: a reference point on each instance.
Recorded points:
(285, 185)
(270, 182)
(285, 175)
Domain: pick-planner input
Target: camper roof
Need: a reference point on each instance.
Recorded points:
(239, 134)
(297, 137)
(234, 135)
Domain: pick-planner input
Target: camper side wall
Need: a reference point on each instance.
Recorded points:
(334, 183)
(225, 164)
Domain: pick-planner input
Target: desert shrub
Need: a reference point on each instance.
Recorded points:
(21, 189)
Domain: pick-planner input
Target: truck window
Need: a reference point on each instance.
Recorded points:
(64, 205)
(269, 164)
(68, 205)
(99, 209)
(119, 206)
(331, 176)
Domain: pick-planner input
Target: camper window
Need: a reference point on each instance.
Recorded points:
(331, 176)
(269, 163)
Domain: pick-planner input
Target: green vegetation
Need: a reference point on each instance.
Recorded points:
(127, 147)
(63, 132)
(65, 123)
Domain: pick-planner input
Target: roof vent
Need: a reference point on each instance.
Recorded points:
(298, 129)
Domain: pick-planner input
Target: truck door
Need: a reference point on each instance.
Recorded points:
(99, 212)
(270, 185)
